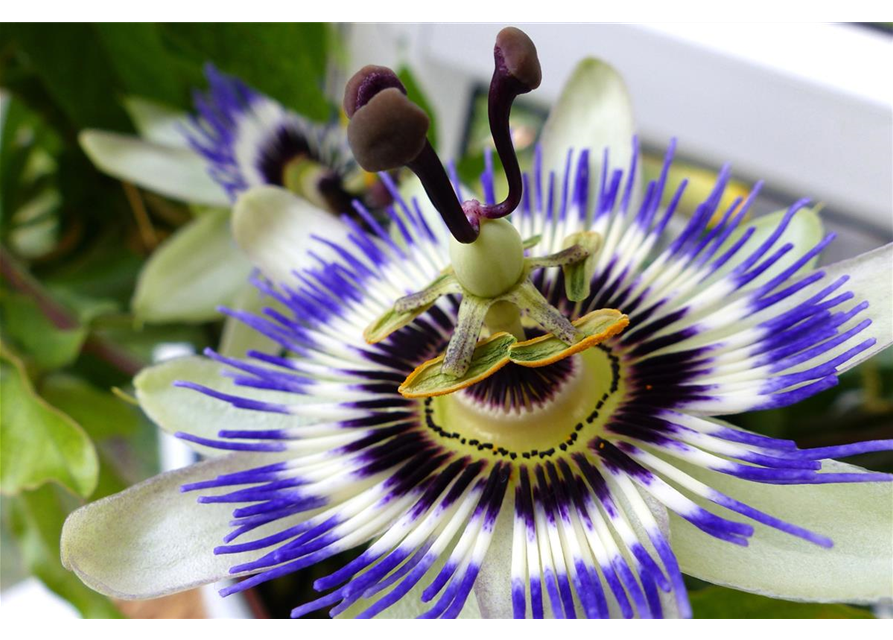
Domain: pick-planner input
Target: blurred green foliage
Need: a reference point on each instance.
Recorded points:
(719, 602)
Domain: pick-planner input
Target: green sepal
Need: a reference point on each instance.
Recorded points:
(578, 275)
(429, 379)
(597, 326)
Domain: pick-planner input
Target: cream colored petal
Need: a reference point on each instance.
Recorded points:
(857, 517)
(176, 409)
(192, 273)
(237, 338)
(152, 540)
(174, 172)
(275, 227)
(158, 123)
(593, 112)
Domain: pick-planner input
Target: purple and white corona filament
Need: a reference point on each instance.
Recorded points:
(566, 464)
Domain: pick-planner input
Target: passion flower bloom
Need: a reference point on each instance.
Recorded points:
(237, 138)
(495, 436)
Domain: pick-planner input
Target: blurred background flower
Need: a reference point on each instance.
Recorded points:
(109, 266)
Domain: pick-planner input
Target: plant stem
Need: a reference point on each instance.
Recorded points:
(62, 318)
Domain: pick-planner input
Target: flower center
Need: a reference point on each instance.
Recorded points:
(531, 413)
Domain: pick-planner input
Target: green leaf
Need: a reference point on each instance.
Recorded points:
(32, 333)
(100, 413)
(195, 271)
(719, 602)
(285, 61)
(25, 142)
(143, 64)
(96, 280)
(414, 92)
(36, 519)
(40, 443)
(75, 69)
(146, 343)
(489, 356)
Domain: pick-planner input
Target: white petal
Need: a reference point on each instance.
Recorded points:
(177, 409)
(157, 122)
(493, 587)
(857, 517)
(192, 273)
(237, 338)
(593, 112)
(274, 228)
(870, 279)
(174, 172)
(151, 540)
(804, 231)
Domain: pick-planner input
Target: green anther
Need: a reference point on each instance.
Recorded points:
(528, 298)
(597, 326)
(472, 312)
(490, 355)
(487, 358)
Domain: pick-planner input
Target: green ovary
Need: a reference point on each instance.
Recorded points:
(492, 264)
